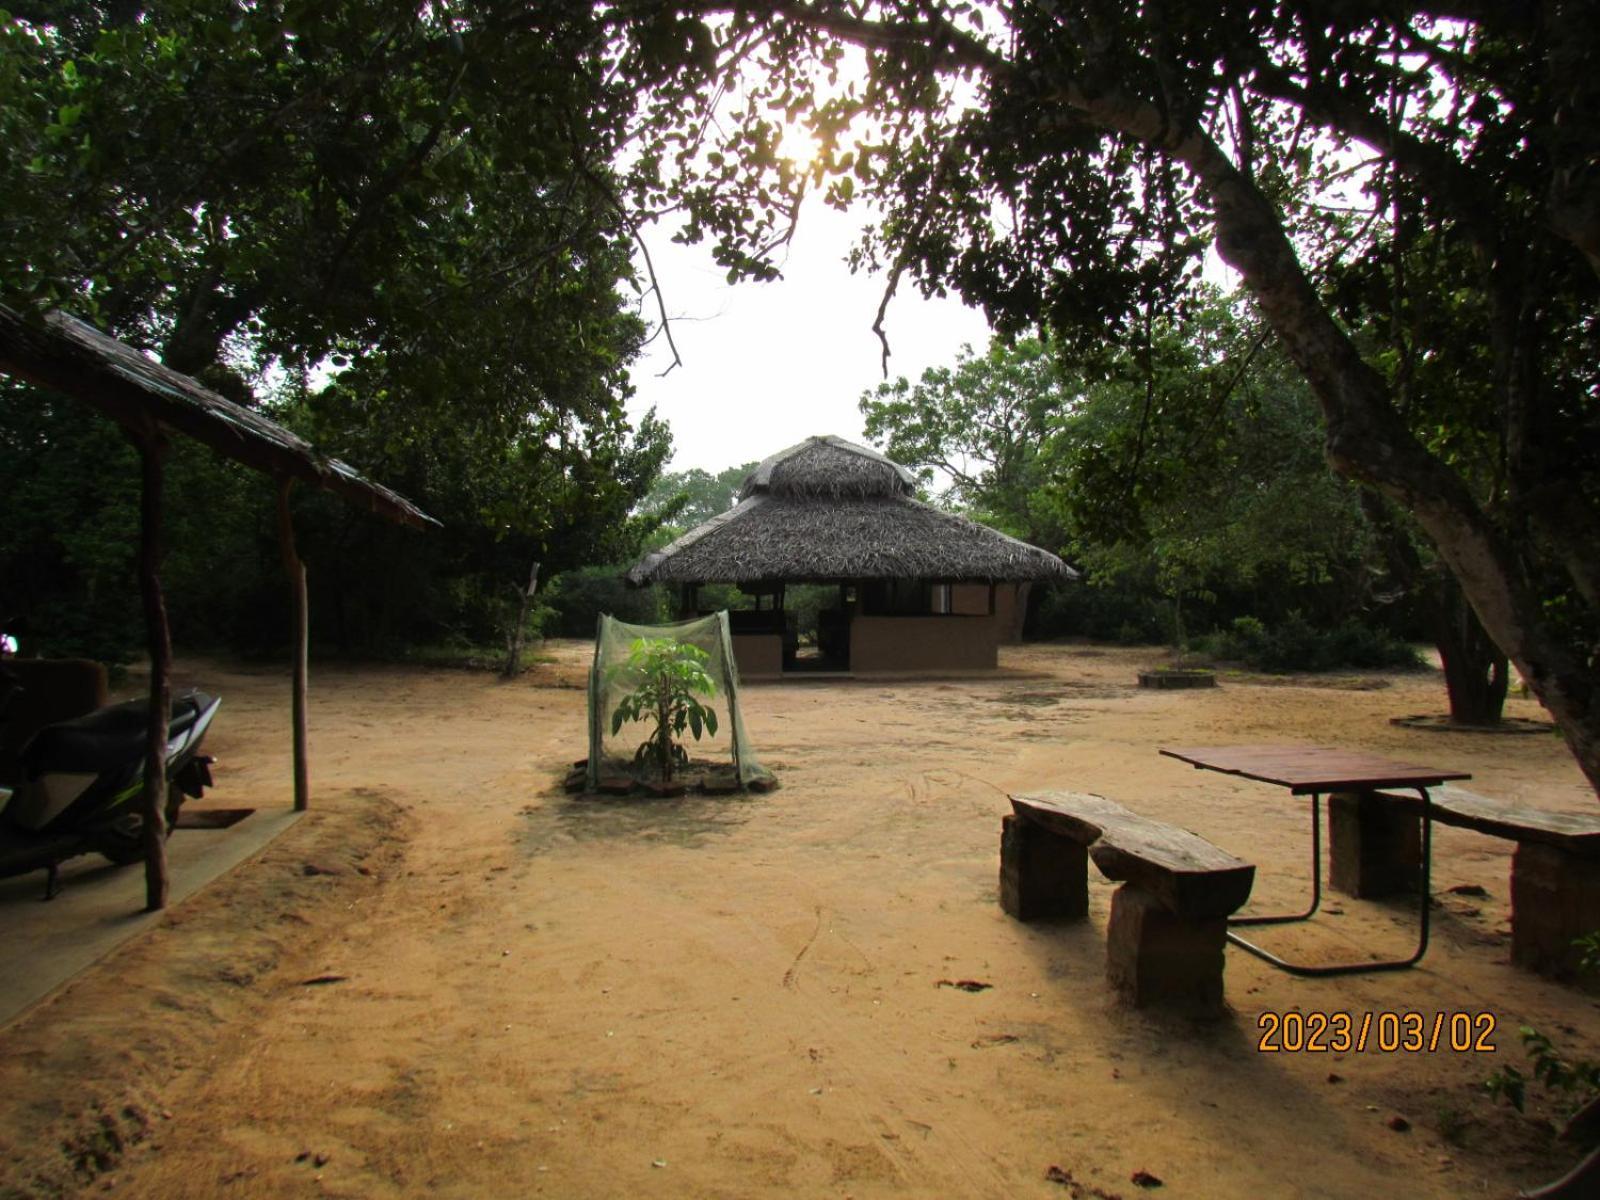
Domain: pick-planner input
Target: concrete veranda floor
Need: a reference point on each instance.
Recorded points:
(44, 944)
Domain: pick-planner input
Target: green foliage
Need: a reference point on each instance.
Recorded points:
(1120, 612)
(672, 676)
(1407, 195)
(578, 598)
(689, 498)
(1572, 1082)
(1198, 453)
(345, 215)
(1295, 645)
(981, 424)
(66, 555)
(1182, 473)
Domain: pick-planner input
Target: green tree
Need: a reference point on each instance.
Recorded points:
(689, 498)
(981, 424)
(1066, 165)
(1188, 462)
(413, 200)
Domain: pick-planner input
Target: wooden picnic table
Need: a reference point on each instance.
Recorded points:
(1317, 771)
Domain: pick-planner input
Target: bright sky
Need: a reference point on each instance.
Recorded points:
(766, 365)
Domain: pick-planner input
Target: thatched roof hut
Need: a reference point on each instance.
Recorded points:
(828, 509)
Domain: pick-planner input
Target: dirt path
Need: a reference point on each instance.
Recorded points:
(541, 996)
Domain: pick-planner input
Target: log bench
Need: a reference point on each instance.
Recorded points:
(1169, 919)
(1555, 869)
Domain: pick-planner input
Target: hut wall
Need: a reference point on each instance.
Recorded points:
(758, 654)
(1011, 610)
(969, 599)
(935, 643)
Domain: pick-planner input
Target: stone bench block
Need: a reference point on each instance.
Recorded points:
(1555, 899)
(1042, 874)
(1374, 845)
(1156, 957)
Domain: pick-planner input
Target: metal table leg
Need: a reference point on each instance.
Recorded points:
(1316, 880)
(1316, 897)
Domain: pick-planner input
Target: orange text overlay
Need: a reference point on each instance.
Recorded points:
(1388, 1032)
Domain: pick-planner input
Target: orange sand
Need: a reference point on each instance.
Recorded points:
(541, 995)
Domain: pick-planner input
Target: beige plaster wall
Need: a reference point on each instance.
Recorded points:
(757, 654)
(972, 599)
(1010, 606)
(933, 643)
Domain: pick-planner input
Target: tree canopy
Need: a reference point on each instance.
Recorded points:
(1067, 166)
(1189, 460)
(394, 226)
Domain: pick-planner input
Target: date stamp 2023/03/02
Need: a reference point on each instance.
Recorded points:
(1390, 1032)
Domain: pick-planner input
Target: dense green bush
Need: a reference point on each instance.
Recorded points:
(1294, 644)
(1105, 613)
(577, 598)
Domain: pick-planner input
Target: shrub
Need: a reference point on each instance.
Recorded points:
(672, 677)
(577, 598)
(1106, 613)
(1296, 645)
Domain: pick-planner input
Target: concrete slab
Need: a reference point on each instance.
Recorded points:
(43, 944)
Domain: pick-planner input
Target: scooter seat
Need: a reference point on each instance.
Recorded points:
(105, 738)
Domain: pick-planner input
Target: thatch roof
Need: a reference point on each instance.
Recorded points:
(828, 509)
(68, 355)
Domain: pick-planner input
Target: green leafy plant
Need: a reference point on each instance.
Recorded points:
(1576, 1083)
(672, 675)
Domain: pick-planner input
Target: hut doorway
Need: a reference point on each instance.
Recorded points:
(822, 624)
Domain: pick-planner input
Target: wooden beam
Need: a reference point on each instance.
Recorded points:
(61, 352)
(299, 643)
(152, 449)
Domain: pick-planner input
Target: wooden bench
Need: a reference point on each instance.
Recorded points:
(1169, 920)
(1555, 869)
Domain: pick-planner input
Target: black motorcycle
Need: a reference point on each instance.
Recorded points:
(82, 785)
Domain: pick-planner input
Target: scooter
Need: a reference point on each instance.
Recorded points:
(82, 785)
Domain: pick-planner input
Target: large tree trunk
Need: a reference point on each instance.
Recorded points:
(1476, 674)
(1368, 442)
(1475, 671)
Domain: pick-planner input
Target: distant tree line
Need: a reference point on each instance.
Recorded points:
(1181, 469)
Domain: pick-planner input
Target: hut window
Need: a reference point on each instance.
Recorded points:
(940, 600)
(897, 598)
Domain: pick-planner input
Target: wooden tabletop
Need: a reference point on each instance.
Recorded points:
(1305, 770)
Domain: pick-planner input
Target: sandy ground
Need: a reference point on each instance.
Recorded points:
(453, 979)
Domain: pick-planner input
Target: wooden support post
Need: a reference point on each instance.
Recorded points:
(152, 448)
(296, 571)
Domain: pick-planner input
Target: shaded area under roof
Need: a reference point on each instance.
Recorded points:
(830, 510)
(68, 355)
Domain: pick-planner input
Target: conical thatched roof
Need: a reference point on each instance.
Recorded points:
(828, 509)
